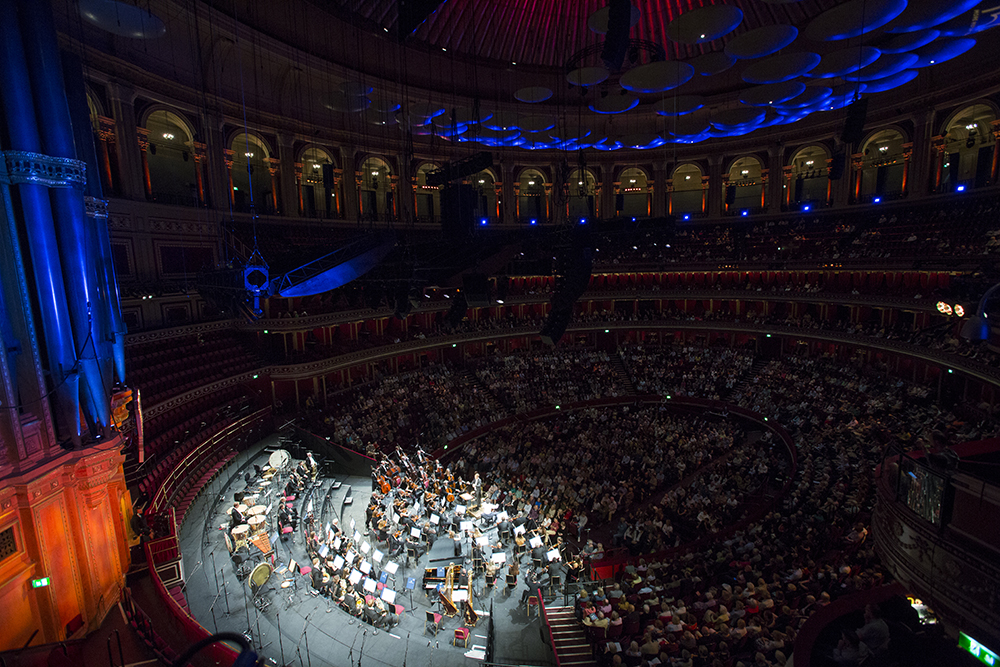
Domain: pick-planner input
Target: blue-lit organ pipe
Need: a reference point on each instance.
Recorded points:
(79, 274)
(111, 349)
(50, 294)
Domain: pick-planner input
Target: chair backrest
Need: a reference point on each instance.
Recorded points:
(615, 630)
(429, 616)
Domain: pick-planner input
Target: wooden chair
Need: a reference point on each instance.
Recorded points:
(461, 634)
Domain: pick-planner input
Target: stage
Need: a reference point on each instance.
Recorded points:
(315, 631)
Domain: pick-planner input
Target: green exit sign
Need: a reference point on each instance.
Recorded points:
(40, 583)
(978, 651)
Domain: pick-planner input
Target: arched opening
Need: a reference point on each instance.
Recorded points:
(582, 201)
(317, 188)
(428, 196)
(484, 184)
(532, 202)
(968, 148)
(809, 183)
(687, 195)
(253, 183)
(171, 177)
(745, 192)
(376, 200)
(882, 167)
(635, 194)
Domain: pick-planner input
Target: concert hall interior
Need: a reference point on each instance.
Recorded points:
(539, 333)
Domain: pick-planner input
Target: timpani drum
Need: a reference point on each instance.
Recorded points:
(256, 523)
(258, 509)
(242, 508)
(240, 534)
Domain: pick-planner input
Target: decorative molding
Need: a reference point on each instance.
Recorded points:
(181, 226)
(178, 332)
(96, 208)
(119, 221)
(38, 169)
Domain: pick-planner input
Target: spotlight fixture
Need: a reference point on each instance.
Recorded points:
(959, 310)
(944, 308)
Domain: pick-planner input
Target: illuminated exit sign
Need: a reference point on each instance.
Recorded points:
(978, 651)
(40, 583)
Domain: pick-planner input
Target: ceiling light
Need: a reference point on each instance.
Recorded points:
(745, 172)
(809, 163)
(883, 149)
(632, 181)
(970, 127)
(702, 37)
(687, 178)
(531, 182)
(248, 154)
(374, 173)
(482, 180)
(580, 183)
(168, 136)
(315, 166)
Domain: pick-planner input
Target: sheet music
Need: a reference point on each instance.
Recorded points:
(389, 595)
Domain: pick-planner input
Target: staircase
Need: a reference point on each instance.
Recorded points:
(570, 642)
(758, 364)
(622, 374)
(472, 380)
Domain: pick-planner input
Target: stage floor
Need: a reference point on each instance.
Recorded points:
(312, 631)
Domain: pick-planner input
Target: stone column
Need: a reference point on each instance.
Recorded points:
(786, 187)
(608, 189)
(938, 151)
(907, 154)
(290, 201)
(227, 156)
(218, 162)
(775, 194)
(995, 130)
(142, 137)
(857, 163)
(105, 148)
(660, 186)
(509, 193)
(715, 186)
(351, 184)
(920, 169)
(198, 153)
(274, 169)
(122, 99)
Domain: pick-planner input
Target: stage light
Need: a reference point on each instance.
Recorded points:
(877, 200)
(745, 213)
(483, 221)
(500, 301)
(534, 222)
(583, 221)
(944, 308)
(959, 310)
(687, 216)
(806, 207)
(960, 188)
(950, 371)
(607, 331)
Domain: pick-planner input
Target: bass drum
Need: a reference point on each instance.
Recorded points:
(259, 577)
(279, 459)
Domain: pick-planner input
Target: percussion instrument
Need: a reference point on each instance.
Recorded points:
(286, 583)
(258, 509)
(259, 577)
(262, 542)
(229, 511)
(242, 508)
(279, 459)
(240, 534)
(256, 522)
(265, 483)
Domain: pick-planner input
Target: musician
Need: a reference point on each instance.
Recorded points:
(369, 514)
(477, 489)
(236, 516)
(531, 581)
(290, 488)
(313, 466)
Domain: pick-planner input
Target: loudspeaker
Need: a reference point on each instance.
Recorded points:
(477, 290)
(854, 126)
(616, 39)
(328, 176)
(458, 209)
(837, 166)
(730, 195)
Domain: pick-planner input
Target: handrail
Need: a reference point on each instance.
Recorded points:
(545, 623)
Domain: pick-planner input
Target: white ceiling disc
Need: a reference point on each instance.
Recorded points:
(502, 120)
(122, 18)
(536, 122)
(376, 117)
(712, 63)
(657, 77)
(347, 104)
(845, 61)
(909, 41)
(533, 94)
(614, 104)
(737, 117)
(810, 96)
(588, 76)
(784, 67)
(426, 110)
(467, 115)
(678, 105)
(853, 18)
(923, 14)
(688, 125)
(640, 140)
(570, 133)
(384, 105)
(704, 24)
(598, 21)
(354, 89)
(888, 64)
(762, 41)
(772, 93)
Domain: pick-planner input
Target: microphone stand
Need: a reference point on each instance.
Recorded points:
(304, 635)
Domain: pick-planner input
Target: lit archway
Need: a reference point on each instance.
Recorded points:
(636, 194)
(688, 195)
(487, 202)
(171, 176)
(428, 197)
(318, 196)
(582, 201)
(254, 186)
(745, 190)
(883, 173)
(376, 200)
(969, 148)
(809, 177)
(532, 199)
